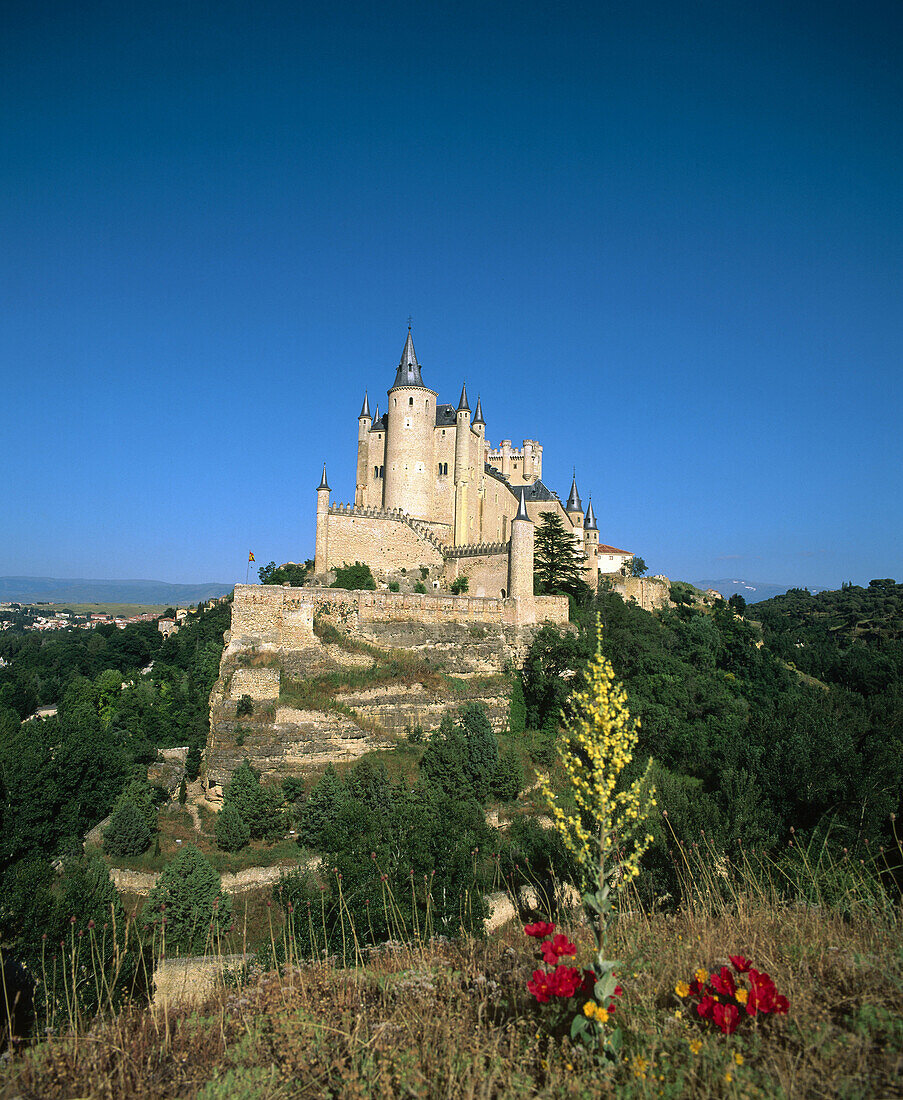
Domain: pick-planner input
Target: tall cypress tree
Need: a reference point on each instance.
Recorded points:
(559, 563)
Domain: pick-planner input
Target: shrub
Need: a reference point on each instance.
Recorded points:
(232, 832)
(245, 707)
(127, 834)
(459, 585)
(517, 708)
(393, 586)
(420, 587)
(258, 806)
(193, 763)
(319, 811)
(508, 780)
(183, 792)
(354, 577)
(188, 897)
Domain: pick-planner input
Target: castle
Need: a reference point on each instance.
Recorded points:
(432, 492)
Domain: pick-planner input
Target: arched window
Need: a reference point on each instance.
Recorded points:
(376, 471)
(410, 400)
(382, 471)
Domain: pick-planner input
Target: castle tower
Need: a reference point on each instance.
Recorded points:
(322, 524)
(363, 452)
(410, 424)
(574, 509)
(591, 546)
(520, 562)
(462, 469)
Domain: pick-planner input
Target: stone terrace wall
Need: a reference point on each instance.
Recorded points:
(259, 683)
(267, 613)
(486, 573)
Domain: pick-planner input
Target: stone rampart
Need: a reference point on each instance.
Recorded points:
(259, 683)
(649, 592)
(375, 538)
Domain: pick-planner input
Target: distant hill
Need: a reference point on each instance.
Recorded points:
(751, 591)
(55, 590)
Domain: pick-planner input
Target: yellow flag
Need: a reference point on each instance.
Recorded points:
(250, 556)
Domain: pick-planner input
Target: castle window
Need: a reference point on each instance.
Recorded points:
(427, 402)
(382, 470)
(410, 400)
(376, 471)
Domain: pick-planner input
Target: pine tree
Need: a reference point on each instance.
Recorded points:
(517, 708)
(320, 810)
(559, 564)
(189, 898)
(257, 805)
(232, 832)
(127, 834)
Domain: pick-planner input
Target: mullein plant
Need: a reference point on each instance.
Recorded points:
(608, 832)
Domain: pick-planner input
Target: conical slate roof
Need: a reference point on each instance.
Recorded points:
(408, 373)
(462, 404)
(324, 484)
(365, 408)
(590, 517)
(522, 506)
(573, 504)
(478, 415)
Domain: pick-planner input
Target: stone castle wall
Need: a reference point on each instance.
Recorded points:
(259, 683)
(377, 541)
(650, 593)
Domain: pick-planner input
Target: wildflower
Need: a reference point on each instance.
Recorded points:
(682, 989)
(539, 930)
(640, 1065)
(602, 1014)
(728, 1077)
(701, 975)
(738, 1058)
(695, 1046)
(741, 995)
(553, 949)
(590, 1008)
(739, 963)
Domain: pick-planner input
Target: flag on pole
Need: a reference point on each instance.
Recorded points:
(250, 556)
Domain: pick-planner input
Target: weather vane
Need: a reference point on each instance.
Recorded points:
(409, 322)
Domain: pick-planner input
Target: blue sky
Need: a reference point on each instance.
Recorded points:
(664, 239)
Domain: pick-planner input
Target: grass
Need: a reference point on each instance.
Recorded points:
(454, 1020)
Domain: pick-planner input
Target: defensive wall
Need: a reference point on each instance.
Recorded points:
(282, 617)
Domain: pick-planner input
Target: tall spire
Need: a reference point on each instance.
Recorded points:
(522, 505)
(591, 524)
(324, 484)
(365, 409)
(408, 373)
(462, 404)
(478, 415)
(573, 504)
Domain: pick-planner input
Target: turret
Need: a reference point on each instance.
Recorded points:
(320, 553)
(364, 421)
(479, 424)
(463, 472)
(591, 546)
(520, 562)
(410, 424)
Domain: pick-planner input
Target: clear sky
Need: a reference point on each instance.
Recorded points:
(665, 239)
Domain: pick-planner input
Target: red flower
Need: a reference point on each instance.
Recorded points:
(589, 983)
(705, 1006)
(723, 983)
(565, 981)
(540, 986)
(739, 963)
(553, 949)
(539, 930)
(726, 1016)
(618, 991)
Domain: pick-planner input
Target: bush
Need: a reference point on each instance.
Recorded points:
(232, 832)
(393, 586)
(459, 585)
(321, 809)
(517, 708)
(189, 897)
(245, 707)
(420, 587)
(193, 763)
(354, 577)
(508, 781)
(128, 833)
(257, 805)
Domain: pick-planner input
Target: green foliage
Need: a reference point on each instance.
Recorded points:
(193, 763)
(508, 779)
(559, 564)
(258, 806)
(140, 795)
(183, 792)
(289, 572)
(245, 707)
(232, 832)
(320, 812)
(737, 603)
(636, 567)
(393, 586)
(459, 585)
(517, 708)
(354, 577)
(127, 834)
(462, 757)
(420, 588)
(188, 897)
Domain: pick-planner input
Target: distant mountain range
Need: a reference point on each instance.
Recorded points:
(54, 590)
(752, 591)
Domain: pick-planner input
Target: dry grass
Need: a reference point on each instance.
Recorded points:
(453, 1019)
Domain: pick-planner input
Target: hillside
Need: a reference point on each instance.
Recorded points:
(55, 590)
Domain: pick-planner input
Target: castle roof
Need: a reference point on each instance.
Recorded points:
(462, 404)
(522, 505)
(324, 484)
(603, 549)
(478, 415)
(573, 504)
(591, 524)
(445, 416)
(365, 408)
(408, 373)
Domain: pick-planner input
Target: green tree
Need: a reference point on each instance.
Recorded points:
(354, 577)
(188, 897)
(320, 812)
(517, 708)
(635, 566)
(258, 805)
(737, 603)
(127, 834)
(244, 707)
(559, 563)
(459, 586)
(231, 830)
